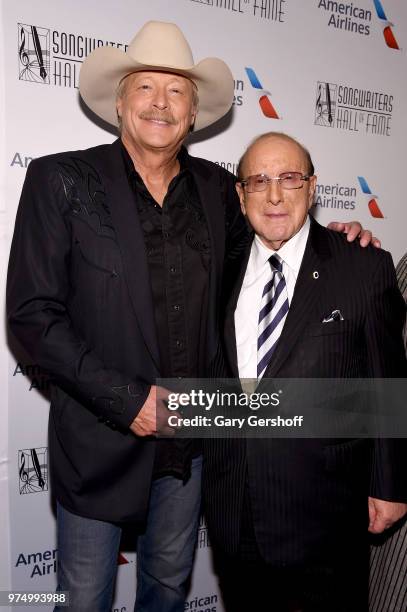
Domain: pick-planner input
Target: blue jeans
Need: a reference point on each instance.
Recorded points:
(88, 551)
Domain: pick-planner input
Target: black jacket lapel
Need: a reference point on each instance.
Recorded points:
(210, 197)
(131, 243)
(307, 291)
(229, 325)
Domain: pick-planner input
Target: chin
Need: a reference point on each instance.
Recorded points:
(158, 143)
(276, 236)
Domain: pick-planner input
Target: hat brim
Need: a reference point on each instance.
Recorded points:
(105, 67)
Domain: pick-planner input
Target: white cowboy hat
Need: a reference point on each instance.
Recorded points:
(157, 46)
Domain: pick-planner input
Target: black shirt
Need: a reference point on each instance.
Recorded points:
(178, 253)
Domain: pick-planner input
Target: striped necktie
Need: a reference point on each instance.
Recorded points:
(272, 315)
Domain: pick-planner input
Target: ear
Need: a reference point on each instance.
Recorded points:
(312, 186)
(119, 104)
(194, 113)
(240, 193)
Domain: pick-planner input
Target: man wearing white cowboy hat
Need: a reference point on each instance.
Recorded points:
(114, 281)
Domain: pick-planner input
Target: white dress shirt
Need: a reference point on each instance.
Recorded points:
(258, 273)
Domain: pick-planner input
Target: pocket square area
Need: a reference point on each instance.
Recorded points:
(335, 315)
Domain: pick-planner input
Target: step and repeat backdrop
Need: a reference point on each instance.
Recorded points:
(332, 74)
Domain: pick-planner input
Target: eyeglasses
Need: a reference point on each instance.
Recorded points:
(286, 180)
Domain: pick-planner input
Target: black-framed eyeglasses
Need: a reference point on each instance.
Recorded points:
(286, 180)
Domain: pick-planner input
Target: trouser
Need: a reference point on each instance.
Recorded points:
(88, 551)
(335, 584)
(256, 586)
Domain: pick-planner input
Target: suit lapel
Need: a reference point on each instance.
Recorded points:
(131, 243)
(311, 279)
(210, 196)
(209, 193)
(229, 326)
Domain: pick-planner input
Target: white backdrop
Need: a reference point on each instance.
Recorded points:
(327, 76)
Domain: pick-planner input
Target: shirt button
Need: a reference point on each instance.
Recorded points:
(173, 269)
(166, 235)
(178, 343)
(176, 307)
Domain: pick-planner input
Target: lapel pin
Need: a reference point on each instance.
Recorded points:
(315, 274)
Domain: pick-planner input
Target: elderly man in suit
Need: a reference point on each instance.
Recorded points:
(289, 517)
(115, 277)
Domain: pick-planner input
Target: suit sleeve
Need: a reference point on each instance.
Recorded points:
(384, 323)
(37, 292)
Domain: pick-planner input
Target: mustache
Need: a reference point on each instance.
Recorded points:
(157, 116)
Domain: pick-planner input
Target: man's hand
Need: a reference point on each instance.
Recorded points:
(153, 417)
(354, 230)
(382, 514)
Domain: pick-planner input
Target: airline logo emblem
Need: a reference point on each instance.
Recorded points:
(264, 95)
(387, 30)
(371, 199)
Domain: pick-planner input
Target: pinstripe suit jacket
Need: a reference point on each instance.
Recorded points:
(309, 496)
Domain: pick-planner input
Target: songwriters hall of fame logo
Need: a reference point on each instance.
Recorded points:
(354, 109)
(33, 470)
(325, 106)
(33, 53)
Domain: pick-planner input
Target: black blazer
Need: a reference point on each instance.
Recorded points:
(309, 496)
(79, 301)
